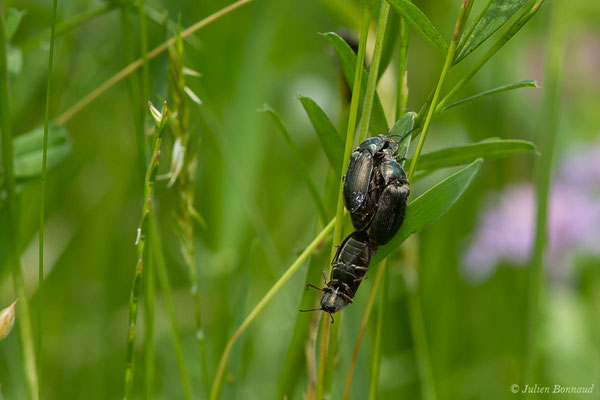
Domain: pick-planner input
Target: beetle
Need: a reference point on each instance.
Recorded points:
(391, 203)
(350, 263)
(361, 188)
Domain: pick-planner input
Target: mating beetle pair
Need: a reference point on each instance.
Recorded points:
(376, 189)
(375, 193)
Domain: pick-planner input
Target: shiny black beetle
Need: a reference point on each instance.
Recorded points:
(376, 189)
(350, 263)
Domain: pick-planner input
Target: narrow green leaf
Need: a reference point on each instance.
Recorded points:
(415, 18)
(492, 17)
(430, 206)
(391, 36)
(326, 132)
(347, 59)
(28, 150)
(13, 19)
(298, 162)
(460, 155)
(404, 125)
(499, 89)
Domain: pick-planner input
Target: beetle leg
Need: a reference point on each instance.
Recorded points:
(347, 298)
(345, 285)
(325, 278)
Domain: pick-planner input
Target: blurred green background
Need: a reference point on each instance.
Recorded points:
(267, 52)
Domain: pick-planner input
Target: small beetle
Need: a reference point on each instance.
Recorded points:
(361, 189)
(391, 204)
(350, 263)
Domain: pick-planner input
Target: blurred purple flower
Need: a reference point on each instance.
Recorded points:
(505, 232)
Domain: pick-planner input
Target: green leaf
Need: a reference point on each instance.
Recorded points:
(402, 127)
(13, 19)
(499, 89)
(390, 39)
(28, 151)
(326, 132)
(298, 162)
(460, 155)
(430, 206)
(492, 17)
(415, 18)
(348, 62)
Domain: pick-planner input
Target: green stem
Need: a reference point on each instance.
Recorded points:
(149, 287)
(144, 51)
(94, 94)
(43, 201)
(486, 57)
(324, 358)
(140, 244)
(417, 324)
(165, 287)
(363, 326)
(384, 13)
(402, 92)
(376, 360)
(547, 145)
(462, 16)
(24, 319)
(262, 304)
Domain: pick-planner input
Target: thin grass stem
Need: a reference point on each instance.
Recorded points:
(547, 137)
(363, 326)
(24, 319)
(262, 304)
(460, 22)
(376, 358)
(142, 231)
(402, 91)
(337, 233)
(94, 94)
(43, 203)
(165, 287)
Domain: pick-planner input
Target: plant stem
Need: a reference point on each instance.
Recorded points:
(547, 144)
(43, 201)
(376, 360)
(144, 51)
(149, 287)
(140, 244)
(486, 57)
(325, 345)
(384, 13)
(165, 287)
(262, 304)
(402, 92)
(417, 325)
(462, 16)
(24, 319)
(94, 94)
(363, 326)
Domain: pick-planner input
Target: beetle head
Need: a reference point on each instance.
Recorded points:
(333, 301)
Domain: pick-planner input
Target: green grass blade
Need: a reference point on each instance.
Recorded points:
(24, 320)
(28, 151)
(492, 18)
(328, 136)
(415, 18)
(460, 155)
(298, 162)
(511, 86)
(430, 206)
(404, 125)
(389, 43)
(347, 59)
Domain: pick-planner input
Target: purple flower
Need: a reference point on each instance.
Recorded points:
(505, 232)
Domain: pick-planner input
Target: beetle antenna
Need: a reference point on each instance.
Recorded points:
(313, 286)
(331, 316)
(314, 309)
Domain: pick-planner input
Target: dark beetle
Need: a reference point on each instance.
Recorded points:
(391, 204)
(362, 184)
(350, 263)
